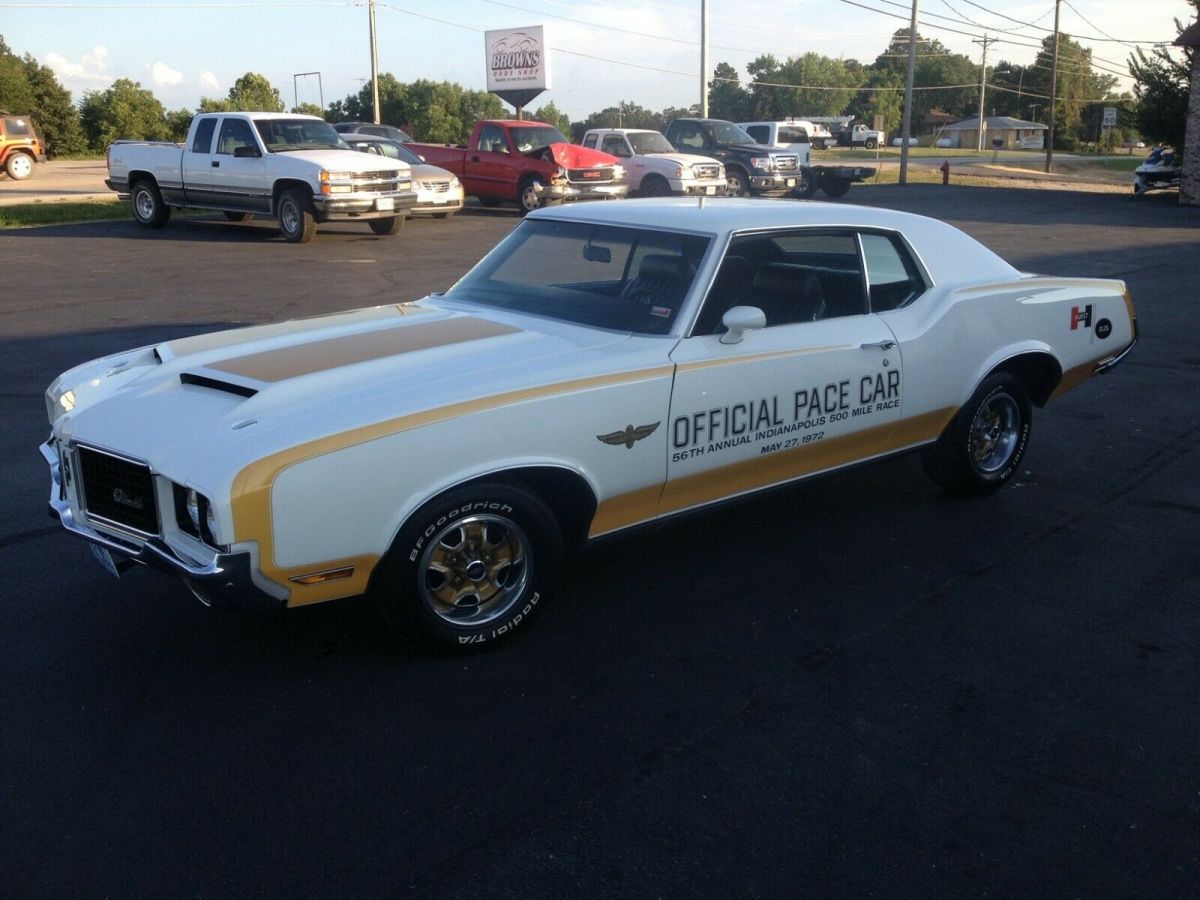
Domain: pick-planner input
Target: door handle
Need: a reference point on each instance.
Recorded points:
(216, 164)
(878, 345)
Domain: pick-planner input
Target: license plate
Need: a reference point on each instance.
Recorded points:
(710, 190)
(105, 559)
(440, 199)
(791, 182)
(385, 204)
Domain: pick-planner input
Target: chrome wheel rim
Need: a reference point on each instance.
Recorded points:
(994, 433)
(289, 217)
(144, 204)
(474, 570)
(21, 166)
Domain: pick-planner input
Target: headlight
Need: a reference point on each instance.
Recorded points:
(761, 162)
(195, 515)
(682, 172)
(454, 181)
(618, 171)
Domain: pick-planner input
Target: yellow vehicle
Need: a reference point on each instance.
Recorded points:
(20, 146)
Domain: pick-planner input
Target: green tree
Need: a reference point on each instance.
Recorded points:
(727, 99)
(250, 93)
(1161, 85)
(309, 109)
(54, 114)
(1078, 85)
(16, 94)
(935, 72)
(552, 115)
(125, 110)
(178, 123)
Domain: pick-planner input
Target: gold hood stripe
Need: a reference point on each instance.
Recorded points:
(333, 353)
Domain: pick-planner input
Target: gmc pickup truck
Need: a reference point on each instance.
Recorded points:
(294, 168)
(530, 164)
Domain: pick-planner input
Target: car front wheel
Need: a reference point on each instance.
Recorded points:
(296, 219)
(981, 449)
(470, 566)
(739, 184)
(19, 166)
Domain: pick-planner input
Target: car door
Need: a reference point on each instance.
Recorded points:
(198, 170)
(489, 167)
(635, 166)
(819, 387)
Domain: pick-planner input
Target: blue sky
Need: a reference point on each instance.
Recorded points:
(644, 51)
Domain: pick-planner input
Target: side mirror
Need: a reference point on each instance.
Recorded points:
(740, 319)
(246, 153)
(421, 157)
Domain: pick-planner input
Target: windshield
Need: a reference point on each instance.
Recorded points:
(728, 133)
(605, 276)
(283, 135)
(536, 138)
(644, 142)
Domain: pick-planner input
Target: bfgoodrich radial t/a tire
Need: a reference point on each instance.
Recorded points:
(470, 566)
(981, 449)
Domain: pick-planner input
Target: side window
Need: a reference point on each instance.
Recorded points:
(891, 273)
(793, 277)
(202, 142)
(589, 140)
(615, 144)
(691, 135)
(234, 133)
(17, 127)
(790, 134)
(760, 133)
(492, 140)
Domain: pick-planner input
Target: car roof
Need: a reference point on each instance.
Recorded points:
(948, 253)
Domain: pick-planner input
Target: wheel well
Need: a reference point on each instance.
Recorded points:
(137, 175)
(1039, 374)
(569, 497)
(281, 186)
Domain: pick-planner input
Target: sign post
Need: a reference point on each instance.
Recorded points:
(1110, 121)
(518, 64)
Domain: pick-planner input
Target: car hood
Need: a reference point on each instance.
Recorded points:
(337, 160)
(197, 407)
(759, 148)
(683, 159)
(573, 156)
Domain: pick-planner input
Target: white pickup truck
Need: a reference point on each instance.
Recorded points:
(294, 168)
(655, 168)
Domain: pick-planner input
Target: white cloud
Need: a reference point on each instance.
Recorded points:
(161, 74)
(209, 82)
(91, 71)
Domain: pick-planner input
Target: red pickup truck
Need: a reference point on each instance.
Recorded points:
(527, 163)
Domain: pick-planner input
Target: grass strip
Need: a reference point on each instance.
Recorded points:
(29, 215)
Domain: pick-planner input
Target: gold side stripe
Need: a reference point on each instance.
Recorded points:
(758, 357)
(764, 471)
(333, 353)
(251, 492)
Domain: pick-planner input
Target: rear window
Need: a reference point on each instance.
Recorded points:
(760, 133)
(15, 126)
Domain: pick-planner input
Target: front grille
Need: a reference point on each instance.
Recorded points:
(438, 187)
(787, 163)
(707, 171)
(118, 491)
(590, 176)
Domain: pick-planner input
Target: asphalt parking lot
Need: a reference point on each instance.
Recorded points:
(857, 686)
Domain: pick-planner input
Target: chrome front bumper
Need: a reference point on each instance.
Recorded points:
(581, 192)
(363, 206)
(224, 582)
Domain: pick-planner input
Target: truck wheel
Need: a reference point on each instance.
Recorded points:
(871, 144)
(149, 211)
(982, 447)
(807, 186)
(655, 186)
(236, 216)
(835, 187)
(528, 197)
(739, 183)
(296, 219)
(19, 166)
(470, 566)
(390, 225)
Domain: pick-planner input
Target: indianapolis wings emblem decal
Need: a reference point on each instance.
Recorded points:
(629, 436)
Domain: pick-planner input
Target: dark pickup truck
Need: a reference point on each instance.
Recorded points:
(756, 169)
(527, 163)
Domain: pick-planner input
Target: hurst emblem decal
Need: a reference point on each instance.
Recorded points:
(629, 436)
(1081, 316)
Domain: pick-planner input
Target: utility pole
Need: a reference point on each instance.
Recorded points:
(982, 81)
(704, 59)
(908, 94)
(1053, 90)
(374, 65)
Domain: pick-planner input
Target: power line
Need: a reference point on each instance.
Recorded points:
(1051, 31)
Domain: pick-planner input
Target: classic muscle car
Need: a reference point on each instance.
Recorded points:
(605, 366)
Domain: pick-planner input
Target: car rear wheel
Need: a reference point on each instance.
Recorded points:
(149, 211)
(470, 566)
(19, 166)
(296, 219)
(981, 449)
(390, 225)
(807, 186)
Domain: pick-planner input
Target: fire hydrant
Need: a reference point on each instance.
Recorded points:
(945, 167)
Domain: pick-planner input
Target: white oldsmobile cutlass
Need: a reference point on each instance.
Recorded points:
(606, 365)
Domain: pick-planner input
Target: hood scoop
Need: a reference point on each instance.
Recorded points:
(216, 384)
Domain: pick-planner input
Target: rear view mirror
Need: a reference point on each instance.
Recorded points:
(246, 153)
(593, 253)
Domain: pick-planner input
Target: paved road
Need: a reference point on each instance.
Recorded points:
(856, 686)
(57, 181)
